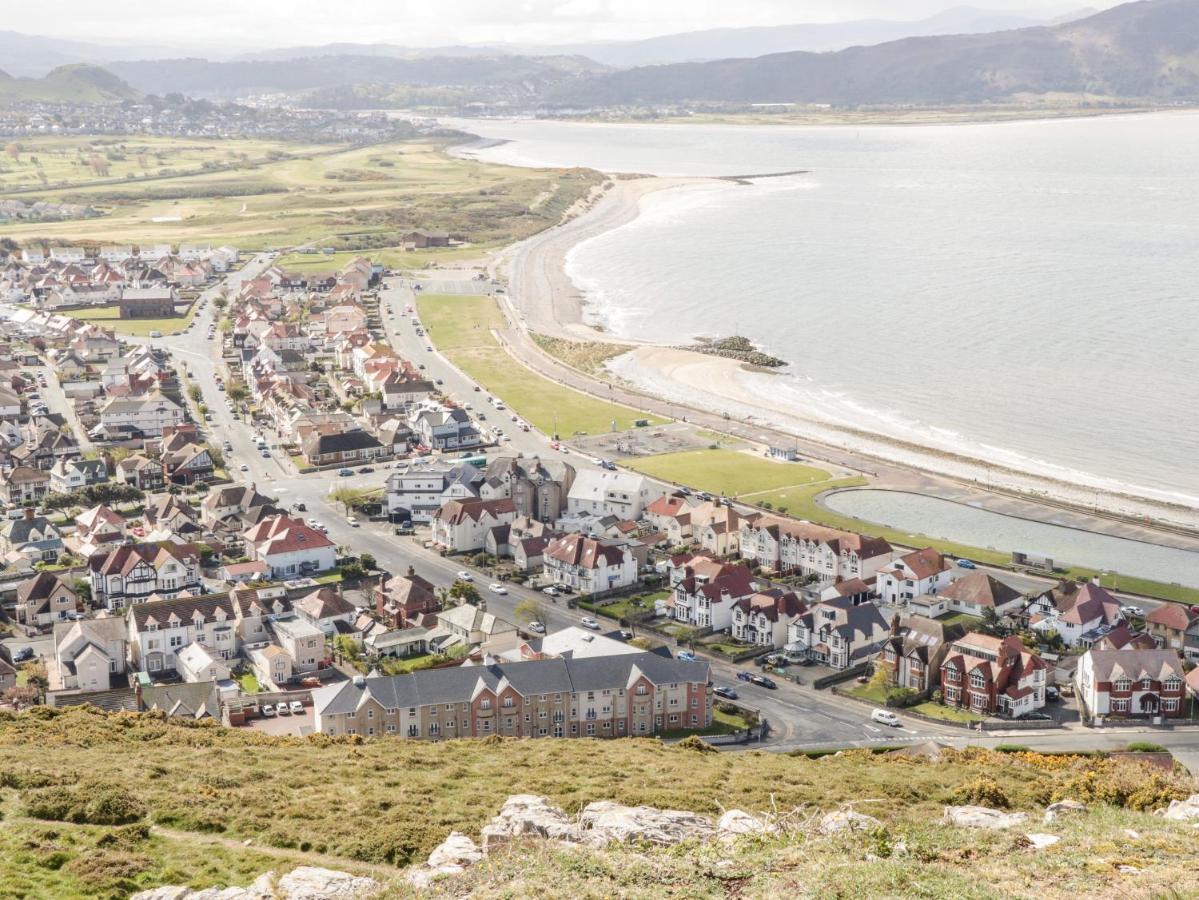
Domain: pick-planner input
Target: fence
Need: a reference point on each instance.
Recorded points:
(844, 675)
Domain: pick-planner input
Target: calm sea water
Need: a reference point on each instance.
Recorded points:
(1026, 293)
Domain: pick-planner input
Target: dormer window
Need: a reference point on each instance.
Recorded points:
(1123, 684)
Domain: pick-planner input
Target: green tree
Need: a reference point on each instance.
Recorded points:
(465, 592)
(195, 393)
(881, 678)
(347, 496)
(530, 610)
(237, 392)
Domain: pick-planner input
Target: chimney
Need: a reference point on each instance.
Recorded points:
(895, 625)
(137, 695)
(29, 513)
(411, 571)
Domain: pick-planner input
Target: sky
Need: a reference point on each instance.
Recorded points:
(239, 24)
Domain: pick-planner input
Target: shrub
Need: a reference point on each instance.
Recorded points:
(695, 743)
(85, 804)
(1012, 748)
(1145, 747)
(902, 697)
(982, 791)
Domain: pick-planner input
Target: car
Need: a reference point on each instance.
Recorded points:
(524, 427)
(351, 521)
(402, 530)
(345, 473)
(685, 656)
(429, 347)
(266, 454)
(496, 588)
(23, 655)
(156, 334)
(439, 382)
(726, 692)
(537, 627)
(482, 417)
(220, 386)
(885, 717)
(301, 507)
(745, 676)
(1130, 611)
(554, 445)
(1052, 694)
(228, 447)
(296, 707)
(550, 591)
(366, 470)
(267, 710)
(967, 564)
(244, 468)
(477, 389)
(763, 681)
(626, 634)
(588, 622)
(515, 418)
(282, 709)
(464, 575)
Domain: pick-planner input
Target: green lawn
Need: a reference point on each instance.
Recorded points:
(249, 683)
(959, 619)
(461, 326)
(408, 663)
(110, 317)
(874, 694)
(727, 472)
(632, 605)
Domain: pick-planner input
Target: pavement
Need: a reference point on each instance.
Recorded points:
(800, 717)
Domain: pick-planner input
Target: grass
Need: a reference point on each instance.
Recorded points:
(878, 696)
(727, 472)
(351, 199)
(372, 804)
(959, 619)
(628, 606)
(110, 317)
(408, 663)
(249, 683)
(586, 356)
(460, 326)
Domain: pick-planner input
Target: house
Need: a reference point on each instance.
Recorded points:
(404, 601)
(537, 488)
(172, 515)
(303, 642)
(469, 627)
(445, 429)
(328, 610)
(148, 303)
(345, 448)
(32, 535)
(245, 572)
(978, 592)
(598, 696)
(462, 525)
(589, 565)
(195, 662)
(915, 649)
(921, 572)
(89, 654)
(670, 514)
(290, 547)
(707, 592)
(993, 676)
(231, 502)
(571, 642)
(422, 240)
(716, 528)
(607, 493)
(43, 600)
(1084, 616)
(188, 464)
(23, 485)
(837, 633)
(68, 475)
(830, 555)
(254, 608)
(132, 574)
(142, 472)
(765, 618)
(271, 665)
(1170, 624)
(98, 528)
(140, 416)
(1131, 683)
(158, 630)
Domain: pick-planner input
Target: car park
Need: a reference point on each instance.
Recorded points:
(726, 692)
(885, 717)
(589, 622)
(497, 588)
(297, 708)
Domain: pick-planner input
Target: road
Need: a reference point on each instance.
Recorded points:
(801, 718)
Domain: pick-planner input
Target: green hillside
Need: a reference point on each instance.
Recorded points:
(77, 83)
(101, 806)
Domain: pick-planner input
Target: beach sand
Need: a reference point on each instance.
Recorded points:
(544, 300)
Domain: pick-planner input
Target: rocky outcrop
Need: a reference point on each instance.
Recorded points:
(738, 348)
(847, 820)
(1041, 841)
(1183, 810)
(525, 815)
(735, 823)
(450, 858)
(303, 883)
(1055, 811)
(981, 817)
(605, 822)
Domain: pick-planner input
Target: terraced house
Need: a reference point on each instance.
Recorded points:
(159, 630)
(602, 696)
(801, 547)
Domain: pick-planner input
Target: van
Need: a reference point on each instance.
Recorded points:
(885, 717)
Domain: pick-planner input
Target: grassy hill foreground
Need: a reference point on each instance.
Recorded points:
(95, 805)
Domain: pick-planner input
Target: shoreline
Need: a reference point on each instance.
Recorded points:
(546, 301)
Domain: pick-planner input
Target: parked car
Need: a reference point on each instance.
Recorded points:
(301, 507)
(464, 575)
(763, 681)
(885, 717)
(967, 564)
(345, 473)
(1052, 694)
(266, 454)
(268, 711)
(366, 470)
(550, 591)
(726, 692)
(537, 627)
(685, 656)
(404, 530)
(244, 468)
(1131, 611)
(283, 709)
(588, 622)
(497, 588)
(351, 521)
(745, 676)
(626, 634)
(23, 655)
(297, 708)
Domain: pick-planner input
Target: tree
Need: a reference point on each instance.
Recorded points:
(348, 497)
(195, 393)
(237, 392)
(881, 678)
(368, 562)
(220, 302)
(990, 622)
(465, 592)
(530, 610)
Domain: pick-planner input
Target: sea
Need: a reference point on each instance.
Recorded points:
(1025, 293)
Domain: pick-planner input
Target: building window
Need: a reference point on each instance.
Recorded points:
(370, 713)
(1119, 706)
(1146, 683)
(977, 680)
(1123, 684)
(1171, 684)
(484, 703)
(1170, 705)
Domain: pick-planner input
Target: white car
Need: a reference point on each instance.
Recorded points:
(537, 627)
(1131, 611)
(282, 709)
(588, 622)
(351, 521)
(497, 588)
(243, 467)
(464, 575)
(550, 591)
(268, 711)
(297, 708)
(885, 717)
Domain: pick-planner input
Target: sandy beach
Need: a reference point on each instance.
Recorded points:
(544, 300)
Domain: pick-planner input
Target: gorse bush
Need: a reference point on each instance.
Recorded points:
(85, 804)
(982, 791)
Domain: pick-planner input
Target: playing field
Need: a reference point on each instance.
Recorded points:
(110, 317)
(727, 472)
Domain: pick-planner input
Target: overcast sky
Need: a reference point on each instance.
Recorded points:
(277, 23)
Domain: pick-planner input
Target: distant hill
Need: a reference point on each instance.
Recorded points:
(203, 78)
(33, 55)
(1147, 50)
(78, 83)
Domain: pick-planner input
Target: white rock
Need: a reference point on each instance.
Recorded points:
(847, 820)
(172, 892)
(1128, 870)
(735, 823)
(981, 817)
(606, 822)
(1132, 835)
(1183, 810)
(303, 883)
(524, 815)
(421, 877)
(1041, 841)
(456, 850)
(1055, 811)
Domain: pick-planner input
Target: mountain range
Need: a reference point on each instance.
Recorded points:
(1145, 50)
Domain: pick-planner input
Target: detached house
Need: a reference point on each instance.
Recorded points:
(43, 600)
(1174, 626)
(978, 592)
(36, 537)
(705, 595)
(133, 574)
(915, 649)
(290, 547)
(462, 525)
(141, 472)
(89, 654)
(445, 429)
(993, 676)
(68, 475)
(345, 448)
(1131, 683)
(607, 493)
(1083, 616)
(588, 565)
(140, 416)
(765, 618)
(837, 633)
(912, 575)
(405, 600)
(23, 485)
